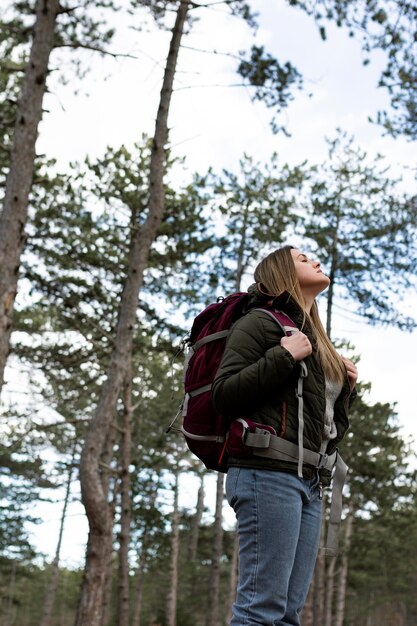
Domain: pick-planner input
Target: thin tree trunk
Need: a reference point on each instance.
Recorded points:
(19, 180)
(319, 575)
(332, 273)
(212, 615)
(173, 569)
(109, 482)
(192, 551)
(341, 590)
(93, 496)
(369, 617)
(307, 615)
(241, 252)
(108, 584)
(122, 618)
(233, 576)
(330, 578)
(53, 583)
(137, 608)
(10, 613)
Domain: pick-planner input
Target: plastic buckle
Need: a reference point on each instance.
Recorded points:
(266, 439)
(245, 433)
(323, 460)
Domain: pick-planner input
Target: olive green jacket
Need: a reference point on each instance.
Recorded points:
(257, 379)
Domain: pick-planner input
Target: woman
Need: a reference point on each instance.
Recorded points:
(279, 513)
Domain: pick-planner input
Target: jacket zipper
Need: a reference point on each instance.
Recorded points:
(283, 419)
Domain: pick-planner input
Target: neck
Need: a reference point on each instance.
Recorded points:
(308, 302)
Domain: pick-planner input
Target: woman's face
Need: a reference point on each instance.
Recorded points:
(310, 276)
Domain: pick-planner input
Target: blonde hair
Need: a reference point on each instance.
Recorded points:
(276, 274)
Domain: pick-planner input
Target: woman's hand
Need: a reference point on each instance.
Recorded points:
(298, 345)
(352, 372)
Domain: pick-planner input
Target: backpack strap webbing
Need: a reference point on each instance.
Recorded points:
(219, 335)
(272, 447)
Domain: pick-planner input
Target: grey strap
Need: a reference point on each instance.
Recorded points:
(299, 394)
(339, 478)
(196, 392)
(272, 447)
(217, 438)
(219, 335)
(286, 329)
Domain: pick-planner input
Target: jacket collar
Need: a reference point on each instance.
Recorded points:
(284, 302)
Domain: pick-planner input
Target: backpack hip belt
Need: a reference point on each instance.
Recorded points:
(267, 445)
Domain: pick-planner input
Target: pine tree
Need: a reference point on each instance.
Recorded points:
(364, 230)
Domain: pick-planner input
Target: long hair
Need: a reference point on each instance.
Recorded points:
(276, 274)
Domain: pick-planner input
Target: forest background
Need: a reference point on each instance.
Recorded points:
(257, 157)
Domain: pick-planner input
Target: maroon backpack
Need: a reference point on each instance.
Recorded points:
(210, 435)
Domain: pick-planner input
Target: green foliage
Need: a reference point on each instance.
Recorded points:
(364, 230)
(272, 81)
(13, 36)
(22, 589)
(193, 581)
(213, 230)
(380, 495)
(378, 458)
(385, 25)
(75, 263)
(255, 208)
(23, 476)
(382, 573)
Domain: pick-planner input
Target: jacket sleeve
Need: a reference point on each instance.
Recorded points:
(253, 367)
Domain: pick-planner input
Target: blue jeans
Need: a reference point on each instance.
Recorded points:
(279, 521)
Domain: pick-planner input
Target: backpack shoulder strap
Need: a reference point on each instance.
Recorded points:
(286, 323)
(289, 328)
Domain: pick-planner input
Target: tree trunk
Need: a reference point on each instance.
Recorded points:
(313, 611)
(332, 276)
(192, 553)
(106, 610)
(341, 590)
(122, 618)
(242, 246)
(109, 482)
(19, 179)
(137, 608)
(233, 576)
(212, 616)
(93, 496)
(330, 577)
(11, 610)
(319, 576)
(173, 569)
(307, 614)
(53, 583)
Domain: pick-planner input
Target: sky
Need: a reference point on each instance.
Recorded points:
(213, 124)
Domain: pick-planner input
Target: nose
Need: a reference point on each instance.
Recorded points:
(316, 264)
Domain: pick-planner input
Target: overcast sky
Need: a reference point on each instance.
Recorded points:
(213, 124)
